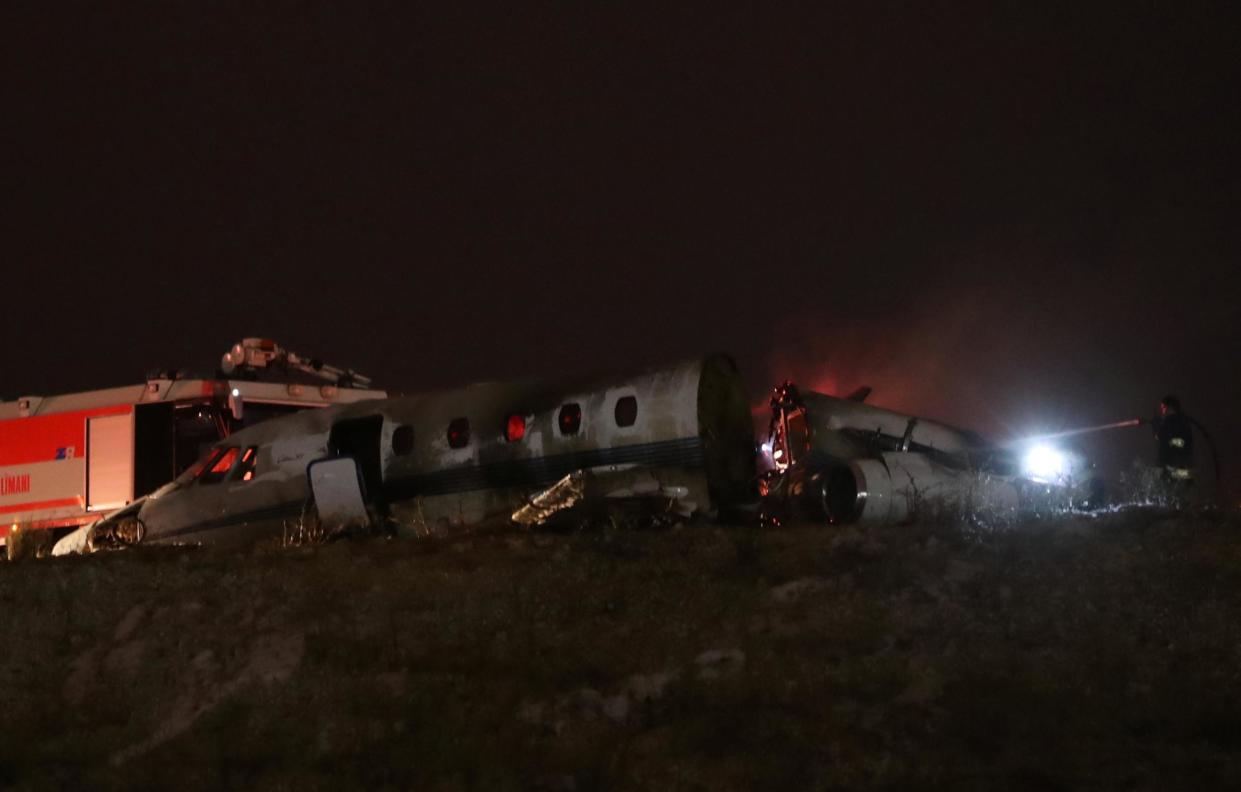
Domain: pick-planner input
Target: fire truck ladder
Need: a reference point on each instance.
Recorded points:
(251, 355)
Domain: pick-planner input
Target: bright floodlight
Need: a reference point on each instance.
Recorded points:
(1044, 463)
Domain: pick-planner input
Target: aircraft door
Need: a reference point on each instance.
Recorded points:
(155, 461)
(360, 438)
(337, 488)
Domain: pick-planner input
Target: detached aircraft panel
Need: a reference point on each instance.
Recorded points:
(337, 488)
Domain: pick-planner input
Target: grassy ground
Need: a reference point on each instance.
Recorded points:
(1080, 653)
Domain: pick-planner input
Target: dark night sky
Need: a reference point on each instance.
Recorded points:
(1018, 219)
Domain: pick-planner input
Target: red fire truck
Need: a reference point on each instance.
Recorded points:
(68, 460)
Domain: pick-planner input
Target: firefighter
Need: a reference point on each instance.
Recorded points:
(1175, 435)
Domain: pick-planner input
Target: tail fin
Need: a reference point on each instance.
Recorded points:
(859, 395)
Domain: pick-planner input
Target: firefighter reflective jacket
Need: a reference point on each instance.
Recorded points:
(1176, 441)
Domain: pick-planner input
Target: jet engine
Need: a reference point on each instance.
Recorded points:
(898, 486)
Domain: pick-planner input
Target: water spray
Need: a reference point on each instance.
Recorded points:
(1084, 430)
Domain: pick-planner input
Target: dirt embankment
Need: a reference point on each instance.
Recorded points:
(1076, 653)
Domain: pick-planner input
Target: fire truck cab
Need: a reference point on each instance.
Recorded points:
(69, 460)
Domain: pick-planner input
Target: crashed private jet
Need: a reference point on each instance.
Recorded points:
(676, 439)
(662, 445)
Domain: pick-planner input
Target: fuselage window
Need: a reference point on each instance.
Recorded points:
(570, 419)
(245, 468)
(459, 433)
(626, 410)
(218, 466)
(514, 428)
(403, 441)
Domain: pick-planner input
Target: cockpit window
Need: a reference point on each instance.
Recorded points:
(245, 468)
(218, 465)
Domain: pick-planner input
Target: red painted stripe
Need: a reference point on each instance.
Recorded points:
(37, 505)
(35, 439)
(81, 519)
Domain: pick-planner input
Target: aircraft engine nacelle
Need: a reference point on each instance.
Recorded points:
(898, 487)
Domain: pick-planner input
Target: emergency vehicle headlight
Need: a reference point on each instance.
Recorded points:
(1045, 463)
